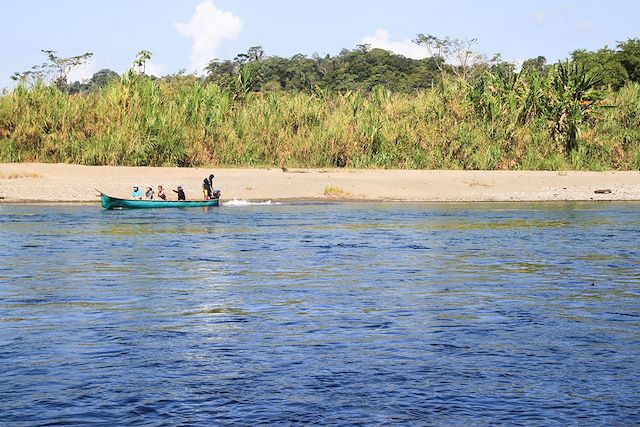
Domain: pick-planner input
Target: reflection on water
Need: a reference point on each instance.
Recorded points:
(451, 314)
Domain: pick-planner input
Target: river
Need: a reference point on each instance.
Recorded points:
(331, 314)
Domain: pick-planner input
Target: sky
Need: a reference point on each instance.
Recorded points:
(187, 34)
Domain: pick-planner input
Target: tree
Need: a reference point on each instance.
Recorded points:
(455, 52)
(535, 64)
(222, 73)
(572, 99)
(254, 53)
(141, 60)
(103, 77)
(604, 62)
(629, 52)
(58, 68)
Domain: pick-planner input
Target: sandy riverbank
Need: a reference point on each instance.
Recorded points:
(74, 183)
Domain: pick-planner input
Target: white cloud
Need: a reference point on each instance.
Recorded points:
(209, 27)
(152, 69)
(82, 72)
(382, 40)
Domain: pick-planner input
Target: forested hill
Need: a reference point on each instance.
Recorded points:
(363, 68)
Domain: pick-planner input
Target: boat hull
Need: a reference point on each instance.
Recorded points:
(109, 202)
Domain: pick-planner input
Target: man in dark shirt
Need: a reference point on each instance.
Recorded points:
(180, 192)
(207, 187)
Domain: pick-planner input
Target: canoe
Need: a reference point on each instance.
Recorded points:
(109, 202)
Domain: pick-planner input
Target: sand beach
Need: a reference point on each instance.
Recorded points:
(38, 182)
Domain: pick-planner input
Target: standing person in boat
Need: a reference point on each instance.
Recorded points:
(160, 193)
(135, 194)
(180, 192)
(149, 193)
(207, 187)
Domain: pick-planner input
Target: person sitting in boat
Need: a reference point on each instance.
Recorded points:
(149, 193)
(135, 194)
(180, 192)
(207, 187)
(160, 193)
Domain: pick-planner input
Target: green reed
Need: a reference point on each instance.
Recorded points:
(500, 121)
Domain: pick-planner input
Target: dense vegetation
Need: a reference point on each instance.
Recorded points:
(362, 108)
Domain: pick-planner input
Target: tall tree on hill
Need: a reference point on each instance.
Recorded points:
(254, 53)
(630, 58)
(57, 68)
(457, 55)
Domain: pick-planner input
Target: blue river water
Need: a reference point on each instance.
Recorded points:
(330, 314)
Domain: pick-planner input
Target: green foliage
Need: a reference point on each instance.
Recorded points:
(630, 58)
(615, 67)
(502, 122)
(358, 69)
(606, 63)
(538, 65)
(573, 98)
(362, 108)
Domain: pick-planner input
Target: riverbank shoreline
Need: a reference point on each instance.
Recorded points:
(64, 183)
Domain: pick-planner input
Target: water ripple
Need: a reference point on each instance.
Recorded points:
(419, 314)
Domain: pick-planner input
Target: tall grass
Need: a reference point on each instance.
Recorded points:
(502, 121)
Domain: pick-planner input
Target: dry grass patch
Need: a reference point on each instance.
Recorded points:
(19, 175)
(476, 183)
(335, 191)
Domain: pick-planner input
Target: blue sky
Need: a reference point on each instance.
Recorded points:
(185, 34)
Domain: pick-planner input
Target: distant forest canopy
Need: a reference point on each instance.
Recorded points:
(360, 69)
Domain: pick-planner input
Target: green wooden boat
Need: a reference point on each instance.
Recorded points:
(109, 202)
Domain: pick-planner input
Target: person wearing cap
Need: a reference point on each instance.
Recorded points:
(135, 194)
(180, 192)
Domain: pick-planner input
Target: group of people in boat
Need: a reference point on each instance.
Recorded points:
(207, 191)
(149, 194)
